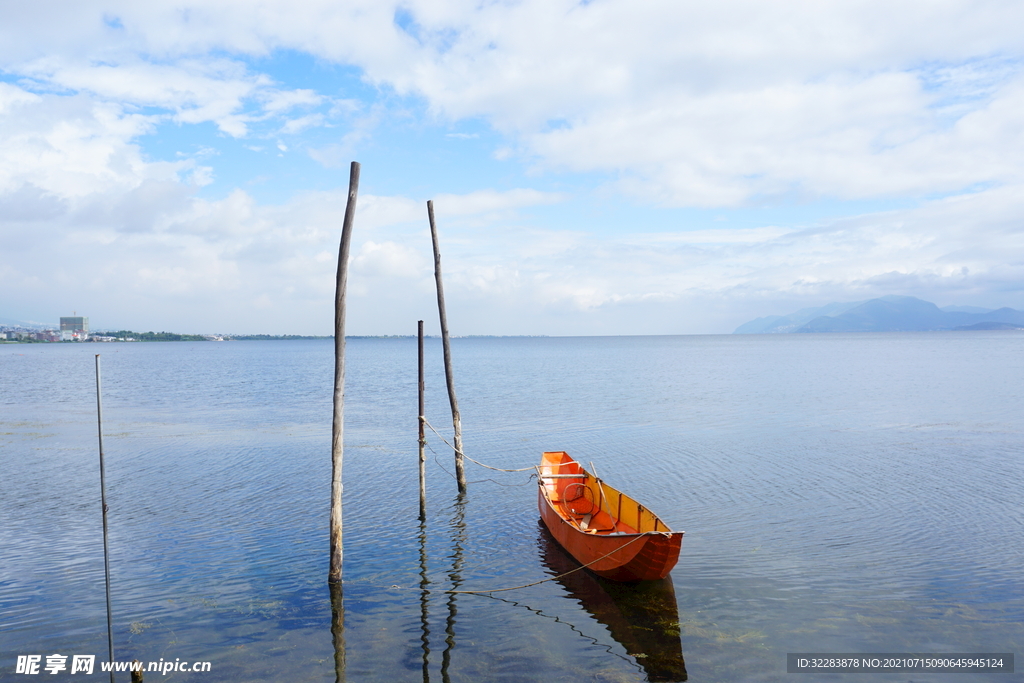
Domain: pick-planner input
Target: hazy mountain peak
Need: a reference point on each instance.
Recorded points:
(891, 313)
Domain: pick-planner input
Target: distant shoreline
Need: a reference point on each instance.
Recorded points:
(986, 327)
(149, 337)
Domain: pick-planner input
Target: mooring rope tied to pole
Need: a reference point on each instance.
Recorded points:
(535, 583)
(480, 481)
(497, 469)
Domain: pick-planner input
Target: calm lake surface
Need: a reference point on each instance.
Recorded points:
(840, 493)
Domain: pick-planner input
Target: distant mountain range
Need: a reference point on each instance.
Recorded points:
(26, 324)
(886, 314)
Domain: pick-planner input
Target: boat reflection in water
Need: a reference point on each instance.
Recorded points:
(642, 617)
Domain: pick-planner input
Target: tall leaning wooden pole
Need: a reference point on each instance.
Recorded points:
(460, 473)
(338, 428)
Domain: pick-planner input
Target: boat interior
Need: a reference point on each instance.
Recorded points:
(588, 503)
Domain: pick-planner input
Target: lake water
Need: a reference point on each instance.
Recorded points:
(840, 493)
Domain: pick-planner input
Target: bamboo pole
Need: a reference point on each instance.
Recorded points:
(422, 418)
(338, 426)
(460, 474)
(103, 503)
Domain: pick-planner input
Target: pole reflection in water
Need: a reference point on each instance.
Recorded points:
(424, 602)
(458, 527)
(338, 629)
(643, 617)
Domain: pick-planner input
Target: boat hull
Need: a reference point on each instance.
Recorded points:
(618, 556)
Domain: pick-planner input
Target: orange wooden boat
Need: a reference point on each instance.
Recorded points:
(614, 535)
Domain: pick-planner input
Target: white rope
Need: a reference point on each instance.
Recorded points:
(497, 469)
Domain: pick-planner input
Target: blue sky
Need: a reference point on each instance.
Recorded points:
(607, 167)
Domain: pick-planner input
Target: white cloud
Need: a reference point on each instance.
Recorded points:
(961, 249)
(189, 90)
(689, 104)
(673, 103)
(391, 260)
(716, 104)
(297, 125)
(72, 146)
(194, 91)
(483, 201)
(337, 155)
(275, 102)
(155, 253)
(719, 236)
(146, 250)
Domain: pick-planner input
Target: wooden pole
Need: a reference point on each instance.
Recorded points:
(422, 418)
(458, 526)
(338, 630)
(424, 603)
(460, 474)
(338, 427)
(103, 503)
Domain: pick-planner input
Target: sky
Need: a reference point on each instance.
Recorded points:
(597, 167)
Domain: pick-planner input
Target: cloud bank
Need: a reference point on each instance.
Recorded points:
(668, 105)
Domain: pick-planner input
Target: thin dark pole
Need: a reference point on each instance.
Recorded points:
(423, 440)
(460, 474)
(337, 431)
(103, 502)
(424, 602)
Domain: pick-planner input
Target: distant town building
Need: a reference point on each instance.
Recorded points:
(74, 328)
